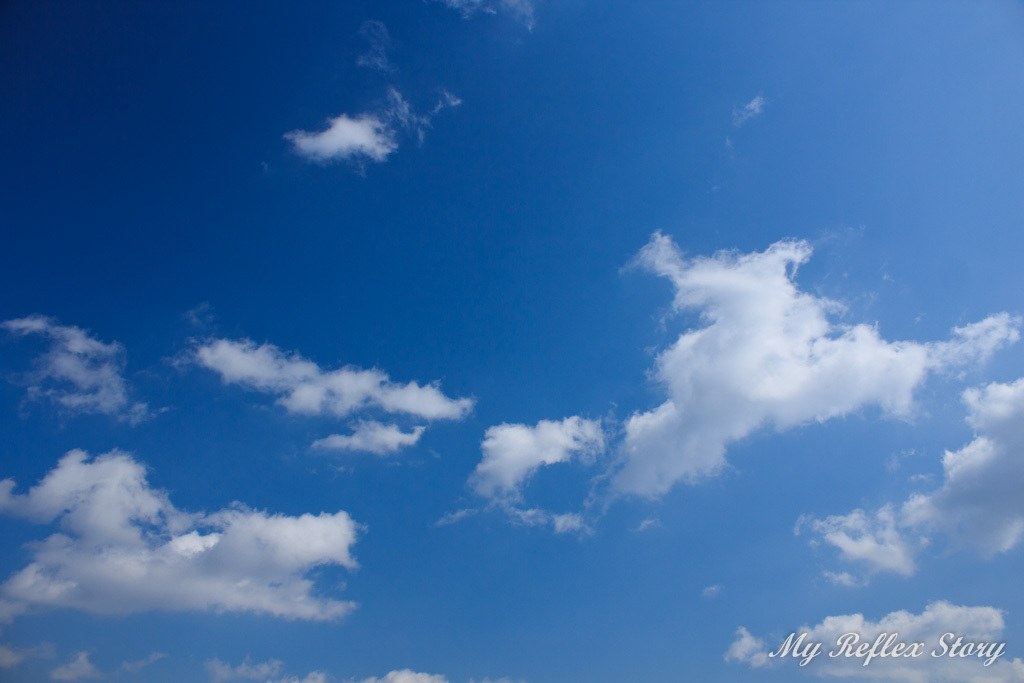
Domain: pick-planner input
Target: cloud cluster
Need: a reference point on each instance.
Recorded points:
(768, 355)
(977, 506)
(977, 624)
(77, 372)
(124, 547)
(370, 136)
(303, 388)
(306, 389)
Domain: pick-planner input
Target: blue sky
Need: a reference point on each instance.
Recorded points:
(508, 340)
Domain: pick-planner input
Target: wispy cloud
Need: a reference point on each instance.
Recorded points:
(78, 668)
(124, 548)
(751, 110)
(77, 372)
(141, 664)
(520, 10)
(378, 45)
(370, 136)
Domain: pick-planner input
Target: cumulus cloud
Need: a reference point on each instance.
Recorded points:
(78, 668)
(141, 664)
(746, 648)
(306, 389)
(521, 10)
(372, 437)
(750, 110)
(875, 540)
(123, 547)
(77, 372)
(379, 43)
(768, 355)
(514, 452)
(978, 505)
(974, 624)
(370, 136)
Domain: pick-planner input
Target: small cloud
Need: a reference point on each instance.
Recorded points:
(648, 524)
(750, 110)
(132, 667)
(455, 517)
(372, 437)
(843, 579)
(376, 57)
(201, 316)
(370, 136)
(79, 667)
(711, 591)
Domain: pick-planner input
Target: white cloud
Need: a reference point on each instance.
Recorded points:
(977, 506)
(872, 539)
(9, 657)
(750, 110)
(456, 516)
(843, 579)
(747, 648)
(648, 524)
(379, 42)
(768, 355)
(306, 389)
(711, 591)
(141, 664)
(974, 624)
(521, 10)
(346, 137)
(77, 372)
(222, 671)
(513, 452)
(369, 136)
(372, 437)
(123, 547)
(79, 667)
(406, 676)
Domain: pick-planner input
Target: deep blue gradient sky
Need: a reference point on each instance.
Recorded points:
(149, 198)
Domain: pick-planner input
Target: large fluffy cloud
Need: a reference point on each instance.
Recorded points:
(270, 672)
(368, 136)
(768, 354)
(77, 372)
(124, 547)
(973, 624)
(305, 388)
(977, 506)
